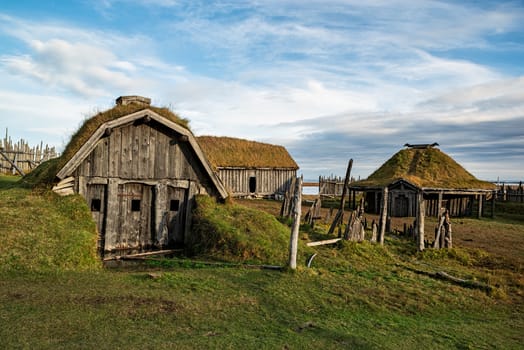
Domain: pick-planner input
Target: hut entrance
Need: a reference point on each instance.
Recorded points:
(176, 204)
(135, 212)
(252, 184)
(401, 206)
(96, 199)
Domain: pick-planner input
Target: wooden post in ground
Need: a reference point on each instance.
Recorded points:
(479, 211)
(374, 231)
(297, 212)
(493, 196)
(339, 217)
(441, 234)
(421, 209)
(448, 241)
(383, 216)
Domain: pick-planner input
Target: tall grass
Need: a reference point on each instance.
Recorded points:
(41, 231)
(236, 233)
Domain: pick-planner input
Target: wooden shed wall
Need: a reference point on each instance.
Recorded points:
(140, 182)
(142, 152)
(268, 181)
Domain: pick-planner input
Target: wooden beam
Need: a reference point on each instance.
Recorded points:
(13, 164)
(324, 242)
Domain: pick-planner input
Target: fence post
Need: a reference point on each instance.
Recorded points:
(297, 212)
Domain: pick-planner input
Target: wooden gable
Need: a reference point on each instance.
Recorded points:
(142, 145)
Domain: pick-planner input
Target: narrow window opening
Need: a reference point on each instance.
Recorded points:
(252, 184)
(174, 205)
(135, 205)
(96, 204)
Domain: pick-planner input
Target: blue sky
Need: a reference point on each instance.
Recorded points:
(330, 80)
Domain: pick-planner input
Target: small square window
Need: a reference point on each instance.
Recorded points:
(174, 205)
(135, 205)
(96, 204)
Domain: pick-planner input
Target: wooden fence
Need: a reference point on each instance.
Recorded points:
(20, 158)
(510, 193)
(331, 185)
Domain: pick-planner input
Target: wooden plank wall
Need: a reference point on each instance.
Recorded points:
(153, 165)
(268, 181)
(141, 152)
(331, 185)
(457, 206)
(24, 156)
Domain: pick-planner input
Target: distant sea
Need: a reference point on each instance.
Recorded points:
(310, 190)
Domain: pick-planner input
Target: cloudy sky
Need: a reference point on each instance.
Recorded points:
(328, 79)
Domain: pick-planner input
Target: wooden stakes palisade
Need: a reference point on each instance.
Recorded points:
(19, 157)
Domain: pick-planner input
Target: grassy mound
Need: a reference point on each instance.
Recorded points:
(428, 167)
(236, 233)
(43, 232)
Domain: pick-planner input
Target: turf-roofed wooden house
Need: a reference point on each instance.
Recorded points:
(250, 168)
(423, 169)
(139, 168)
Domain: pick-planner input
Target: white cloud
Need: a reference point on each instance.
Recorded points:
(362, 73)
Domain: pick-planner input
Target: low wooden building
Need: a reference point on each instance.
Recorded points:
(249, 168)
(139, 168)
(427, 170)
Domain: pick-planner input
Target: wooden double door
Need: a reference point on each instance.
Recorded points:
(138, 217)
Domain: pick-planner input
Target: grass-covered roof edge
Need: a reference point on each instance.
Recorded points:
(229, 152)
(90, 125)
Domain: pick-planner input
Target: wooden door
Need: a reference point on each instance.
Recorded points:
(96, 200)
(176, 206)
(401, 206)
(135, 213)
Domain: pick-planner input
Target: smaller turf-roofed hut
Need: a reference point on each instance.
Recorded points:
(139, 168)
(423, 169)
(250, 168)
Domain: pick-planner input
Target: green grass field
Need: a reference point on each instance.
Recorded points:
(355, 296)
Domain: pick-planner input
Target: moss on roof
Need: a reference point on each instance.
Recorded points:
(425, 168)
(46, 172)
(92, 124)
(233, 152)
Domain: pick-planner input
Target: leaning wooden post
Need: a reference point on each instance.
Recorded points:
(421, 206)
(297, 212)
(340, 214)
(383, 216)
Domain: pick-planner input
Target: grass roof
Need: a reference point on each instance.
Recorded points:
(92, 124)
(233, 152)
(425, 168)
(46, 173)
